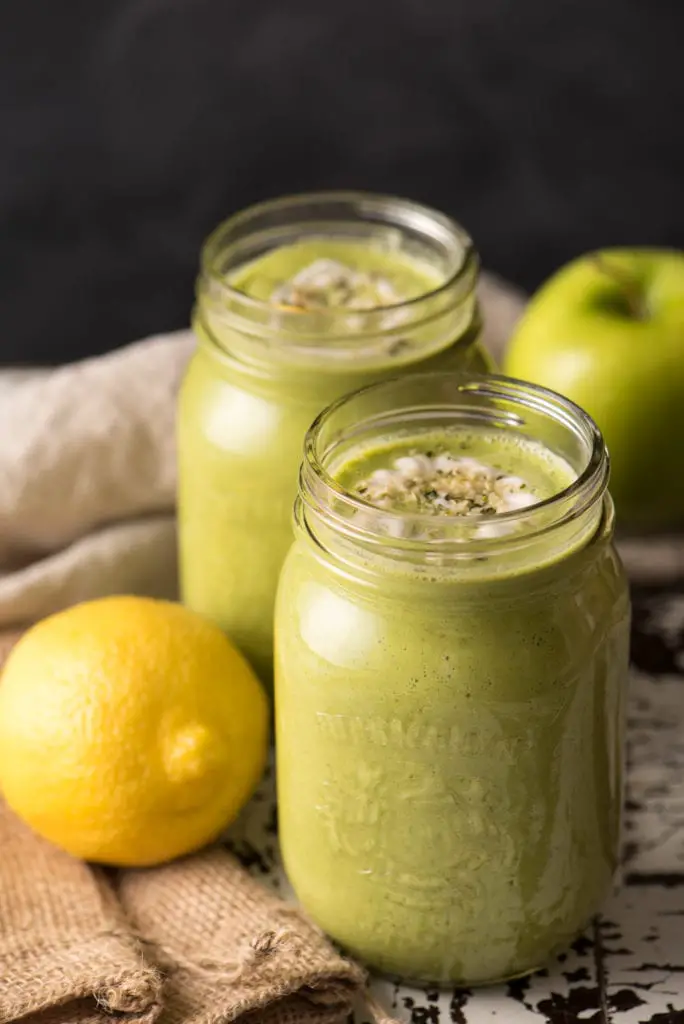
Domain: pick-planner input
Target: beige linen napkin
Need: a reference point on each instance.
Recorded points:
(88, 475)
(87, 479)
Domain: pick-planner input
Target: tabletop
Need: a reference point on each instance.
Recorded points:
(628, 968)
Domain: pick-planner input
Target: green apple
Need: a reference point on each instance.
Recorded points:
(607, 331)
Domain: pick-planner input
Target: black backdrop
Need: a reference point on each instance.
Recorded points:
(128, 128)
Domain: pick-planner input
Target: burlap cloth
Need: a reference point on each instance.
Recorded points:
(66, 951)
(194, 942)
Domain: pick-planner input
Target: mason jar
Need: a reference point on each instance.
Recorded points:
(450, 687)
(266, 364)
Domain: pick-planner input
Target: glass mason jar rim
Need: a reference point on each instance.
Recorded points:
(355, 215)
(410, 213)
(322, 496)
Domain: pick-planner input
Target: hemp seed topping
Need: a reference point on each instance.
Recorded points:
(445, 485)
(329, 284)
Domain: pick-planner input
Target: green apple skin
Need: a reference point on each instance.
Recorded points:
(613, 342)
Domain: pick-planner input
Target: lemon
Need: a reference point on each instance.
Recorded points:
(131, 730)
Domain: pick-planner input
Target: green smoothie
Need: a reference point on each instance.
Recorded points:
(246, 405)
(449, 729)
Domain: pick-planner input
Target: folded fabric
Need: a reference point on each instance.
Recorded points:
(66, 951)
(194, 942)
(87, 479)
(230, 948)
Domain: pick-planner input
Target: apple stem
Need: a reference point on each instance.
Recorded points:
(630, 288)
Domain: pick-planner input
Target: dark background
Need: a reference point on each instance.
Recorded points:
(128, 128)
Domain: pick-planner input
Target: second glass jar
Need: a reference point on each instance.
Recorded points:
(450, 688)
(263, 370)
